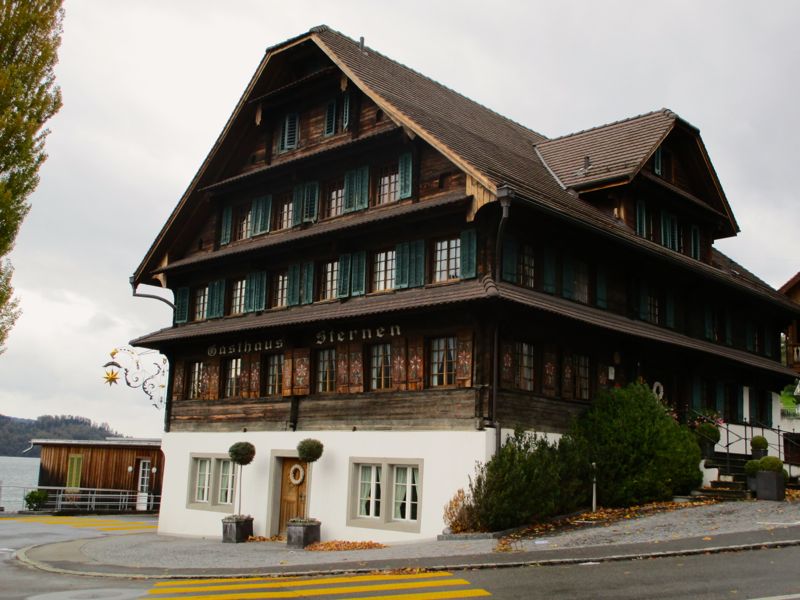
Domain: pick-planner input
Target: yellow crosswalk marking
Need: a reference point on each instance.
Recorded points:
(322, 591)
(296, 581)
(475, 593)
(101, 524)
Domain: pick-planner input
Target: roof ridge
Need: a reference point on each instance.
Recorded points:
(326, 28)
(665, 111)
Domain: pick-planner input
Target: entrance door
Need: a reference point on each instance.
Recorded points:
(143, 485)
(293, 491)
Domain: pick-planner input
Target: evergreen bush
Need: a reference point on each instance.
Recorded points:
(770, 463)
(751, 468)
(309, 450)
(242, 453)
(36, 499)
(707, 432)
(759, 442)
(641, 452)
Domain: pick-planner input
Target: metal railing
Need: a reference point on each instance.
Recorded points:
(86, 499)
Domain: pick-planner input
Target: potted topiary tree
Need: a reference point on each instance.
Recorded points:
(301, 532)
(707, 436)
(758, 446)
(770, 484)
(751, 471)
(238, 528)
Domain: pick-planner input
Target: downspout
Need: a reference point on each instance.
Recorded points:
(504, 195)
(151, 296)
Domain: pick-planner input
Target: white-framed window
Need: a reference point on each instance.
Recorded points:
(383, 269)
(227, 479)
(447, 259)
(200, 303)
(202, 481)
(274, 385)
(212, 482)
(280, 283)
(442, 361)
(334, 198)
(233, 369)
(237, 297)
(330, 277)
(369, 491)
(387, 184)
(326, 370)
(197, 372)
(285, 212)
(385, 493)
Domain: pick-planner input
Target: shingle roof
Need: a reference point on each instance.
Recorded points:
(612, 151)
(789, 285)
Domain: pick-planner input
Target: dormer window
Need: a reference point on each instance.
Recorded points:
(290, 132)
(330, 118)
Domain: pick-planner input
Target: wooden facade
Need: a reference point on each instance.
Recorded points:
(365, 249)
(101, 464)
(792, 343)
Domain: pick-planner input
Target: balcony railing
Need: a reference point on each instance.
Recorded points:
(81, 499)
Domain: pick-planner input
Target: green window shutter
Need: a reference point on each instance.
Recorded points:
(289, 134)
(641, 218)
(308, 283)
(644, 302)
(549, 271)
(720, 399)
(695, 242)
(509, 267)
(402, 265)
(358, 272)
(708, 323)
(362, 201)
(346, 111)
(311, 202)
(568, 279)
(404, 176)
(260, 213)
(416, 263)
(225, 226)
(469, 252)
(697, 394)
(657, 162)
(601, 289)
(753, 406)
(216, 299)
(750, 336)
(330, 118)
(669, 319)
(182, 305)
(739, 403)
(298, 195)
(351, 181)
(728, 329)
(343, 285)
(293, 286)
(255, 292)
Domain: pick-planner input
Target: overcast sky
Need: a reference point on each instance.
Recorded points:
(148, 86)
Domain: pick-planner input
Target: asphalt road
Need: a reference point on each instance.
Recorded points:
(751, 574)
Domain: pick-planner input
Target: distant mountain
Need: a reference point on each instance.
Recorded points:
(16, 434)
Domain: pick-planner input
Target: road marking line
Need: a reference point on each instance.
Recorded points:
(296, 581)
(325, 591)
(474, 593)
(789, 597)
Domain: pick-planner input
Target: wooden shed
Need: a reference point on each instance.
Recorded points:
(114, 464)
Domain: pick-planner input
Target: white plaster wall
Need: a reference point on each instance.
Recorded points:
(449, 459)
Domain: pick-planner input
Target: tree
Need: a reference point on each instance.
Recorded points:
(30, 34)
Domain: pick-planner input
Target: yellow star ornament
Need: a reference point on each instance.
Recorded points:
(111, 377)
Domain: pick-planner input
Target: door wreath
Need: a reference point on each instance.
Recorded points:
(296, 474)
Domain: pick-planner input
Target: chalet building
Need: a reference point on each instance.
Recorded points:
(792, 291)
(368, 258)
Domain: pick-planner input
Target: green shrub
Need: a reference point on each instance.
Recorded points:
(242, 453)
(309, 450)
(641, 453)
(36, 499)
(707, 432)
(751, 468)
(759, 442)
(770, 463)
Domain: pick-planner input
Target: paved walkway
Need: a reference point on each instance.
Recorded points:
(710, 528)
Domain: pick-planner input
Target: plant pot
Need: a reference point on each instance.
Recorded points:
(752, 484)
(759, 453)
(300, 535)
(707, 448)
(235, 531)
(770, 486)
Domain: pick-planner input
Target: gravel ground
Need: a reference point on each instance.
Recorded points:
(150, 550)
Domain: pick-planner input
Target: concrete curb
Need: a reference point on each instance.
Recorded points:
(22, 556)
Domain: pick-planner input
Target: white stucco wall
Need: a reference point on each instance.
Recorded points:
(449, 459)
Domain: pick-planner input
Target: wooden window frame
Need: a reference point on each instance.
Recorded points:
(325, 378)
(200, 301)
(237, 299)
(387, 183)
(231, 377)
(279, 290)
(446, 257)
(384, 270)
(196, 375)
(442, 351)
(284, 212)
(380, 367)
(329, 280)
(334, 198)
(273, 374)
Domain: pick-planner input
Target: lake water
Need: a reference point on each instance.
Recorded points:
(16, 474)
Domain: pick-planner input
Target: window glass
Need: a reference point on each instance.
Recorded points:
(381, 367)
(200, 303)
(525, 272)
(525, 366)
(241, 223)
(237, 297)
(383, 271)
(233, 369)
(226, 481)
(405, 493)
(274, 374)
(387, 184)
(280, 283)
(326, 370)
(442, 357)
(285, 212)
(334, 198)
(202, 479)
(330, 278)
(369, 491)
(447, 259)
(196, 376)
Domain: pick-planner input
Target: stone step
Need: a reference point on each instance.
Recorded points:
(728, 485)
(723, 494)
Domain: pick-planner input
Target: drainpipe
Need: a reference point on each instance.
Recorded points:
(151, 296)
(504, 195)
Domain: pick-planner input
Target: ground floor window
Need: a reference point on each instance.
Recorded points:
(395, 484)
(212, 483)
